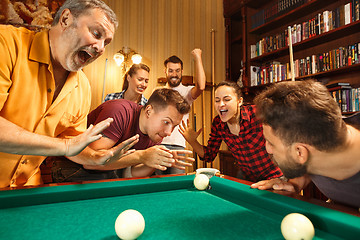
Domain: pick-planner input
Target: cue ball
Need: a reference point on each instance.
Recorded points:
(297, 226)
(130, 224)
(201, 181)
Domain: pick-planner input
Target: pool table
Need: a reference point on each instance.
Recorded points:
(171, 206)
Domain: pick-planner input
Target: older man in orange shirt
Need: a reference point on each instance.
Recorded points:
(44, 95)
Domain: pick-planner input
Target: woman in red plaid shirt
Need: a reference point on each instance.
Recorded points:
(242, 132)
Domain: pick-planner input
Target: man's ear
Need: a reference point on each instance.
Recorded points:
(66, 18)
(148, 110)
(300, 152)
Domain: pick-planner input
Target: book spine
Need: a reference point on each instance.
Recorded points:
(326, 20)
(347, 11)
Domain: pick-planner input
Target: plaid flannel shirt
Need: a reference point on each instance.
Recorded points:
(120, 95)
(248, 148)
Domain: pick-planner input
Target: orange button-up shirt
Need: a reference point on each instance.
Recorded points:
(27, 88)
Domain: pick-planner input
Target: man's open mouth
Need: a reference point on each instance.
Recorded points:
(84, 56)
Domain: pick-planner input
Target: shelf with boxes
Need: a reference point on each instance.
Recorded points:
(326, 43)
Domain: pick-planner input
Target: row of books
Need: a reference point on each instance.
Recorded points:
(334, 59)
(321, 23)
(276, 9)
(269, 73)
(346, 97)
(269, 44)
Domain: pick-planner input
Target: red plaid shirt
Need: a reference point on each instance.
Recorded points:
(248, 148)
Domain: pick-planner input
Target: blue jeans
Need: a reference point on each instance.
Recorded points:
(171, 170)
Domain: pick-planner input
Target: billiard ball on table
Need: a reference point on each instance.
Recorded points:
(297, 226)
(130, 224)
(201, 181)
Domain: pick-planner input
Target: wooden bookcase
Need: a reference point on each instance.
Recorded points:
(240, 35)
(235, 39)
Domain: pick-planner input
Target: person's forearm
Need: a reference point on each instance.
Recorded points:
(200, 78)
(141, 170)
(123, 162)
(16, 140)
(88, 156)
(198, 148)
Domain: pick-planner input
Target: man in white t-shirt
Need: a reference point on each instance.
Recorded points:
(173, 72)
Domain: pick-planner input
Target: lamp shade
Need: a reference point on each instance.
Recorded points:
(136, 58)
(119, 58)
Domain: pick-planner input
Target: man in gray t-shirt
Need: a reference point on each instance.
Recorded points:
(310, 141)
(346, 191)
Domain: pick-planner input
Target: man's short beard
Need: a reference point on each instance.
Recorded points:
(171, 84)
(292, 169)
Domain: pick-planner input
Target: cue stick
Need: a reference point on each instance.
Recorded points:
(103, 93)
(291, 54)
(212, 72)
(195, 154)
(212, 77)
(203, 121)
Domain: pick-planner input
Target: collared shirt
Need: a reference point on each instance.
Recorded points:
(26, 99)
(248, 148)
(120, 95)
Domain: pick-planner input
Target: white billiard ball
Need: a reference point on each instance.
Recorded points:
(297, 226)
(130, 224)
(201, 181)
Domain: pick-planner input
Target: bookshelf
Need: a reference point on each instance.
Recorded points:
(242, 33)
(293, 11)
(311, 42)
(235, 39)
(262, 25)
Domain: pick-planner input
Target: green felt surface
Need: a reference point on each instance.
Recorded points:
(172, 209)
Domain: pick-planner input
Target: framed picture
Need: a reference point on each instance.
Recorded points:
(33, 14)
